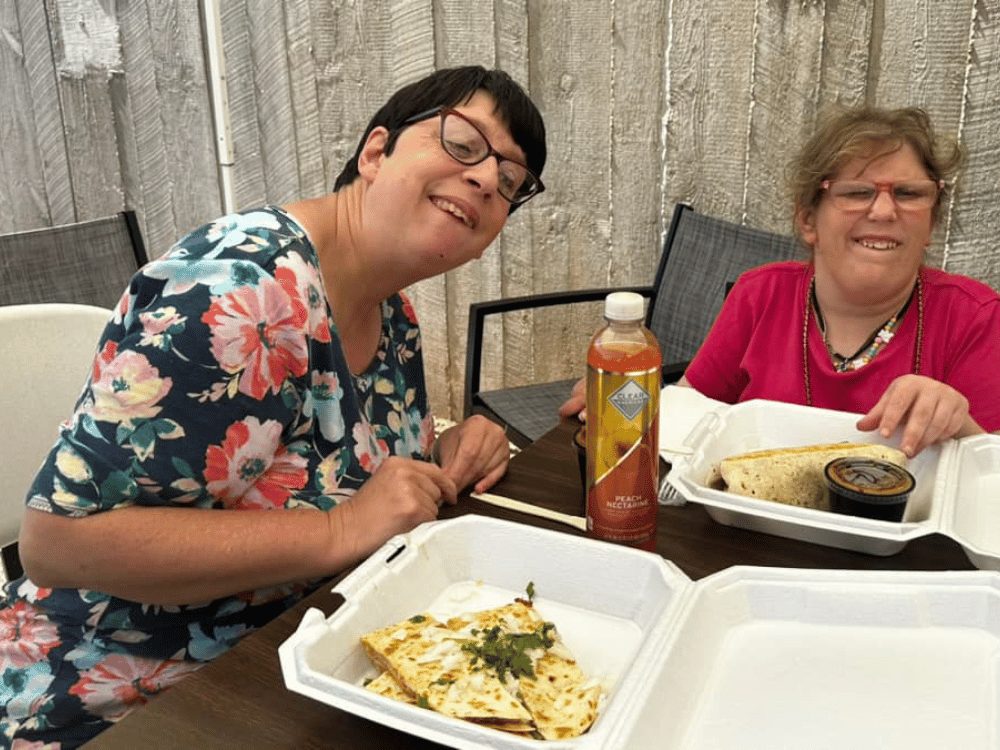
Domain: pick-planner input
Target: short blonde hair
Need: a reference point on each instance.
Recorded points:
(869, 131)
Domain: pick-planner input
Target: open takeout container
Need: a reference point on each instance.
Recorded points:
(793, 658)
(957, 489)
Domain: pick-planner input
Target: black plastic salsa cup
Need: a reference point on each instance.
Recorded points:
(868, 487)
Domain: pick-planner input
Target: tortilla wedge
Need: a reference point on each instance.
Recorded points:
(425, 663)
(428, 662)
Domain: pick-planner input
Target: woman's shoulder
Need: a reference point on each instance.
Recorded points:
(258, 235)
(239, 248)
(960, 289)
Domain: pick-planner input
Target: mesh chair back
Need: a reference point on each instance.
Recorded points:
(703, 255)
(88, 263)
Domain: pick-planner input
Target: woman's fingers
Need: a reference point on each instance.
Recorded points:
(474, 451)
(576, 404)
(926, 410)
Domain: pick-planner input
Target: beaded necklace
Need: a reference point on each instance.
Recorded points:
(868, 350)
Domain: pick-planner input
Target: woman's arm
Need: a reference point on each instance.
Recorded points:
(192, 555)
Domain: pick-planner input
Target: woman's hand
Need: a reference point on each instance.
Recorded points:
(401, 494)
(474, 451)
(576, 404)
(928, 410)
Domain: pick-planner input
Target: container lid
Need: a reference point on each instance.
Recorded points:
(623, 306)
(868, 479)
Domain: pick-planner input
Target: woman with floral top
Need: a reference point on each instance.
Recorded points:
(268, 361)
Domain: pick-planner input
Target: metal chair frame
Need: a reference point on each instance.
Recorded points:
(772, 247)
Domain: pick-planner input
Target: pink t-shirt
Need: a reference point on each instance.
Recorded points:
(754, 349)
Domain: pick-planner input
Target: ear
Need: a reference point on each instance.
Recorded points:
(372, 153)
(805, 220)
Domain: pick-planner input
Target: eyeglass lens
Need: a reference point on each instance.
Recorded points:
(914, 195)
(463, 142)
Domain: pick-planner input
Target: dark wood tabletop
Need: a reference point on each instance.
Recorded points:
(240, 700)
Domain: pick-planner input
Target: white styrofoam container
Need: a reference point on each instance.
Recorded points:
(749, 657)
(780, 658)
(957, 491)
(605, 599)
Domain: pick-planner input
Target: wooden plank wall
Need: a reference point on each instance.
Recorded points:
(646, 102)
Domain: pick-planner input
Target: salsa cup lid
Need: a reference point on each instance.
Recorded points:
(868, 479)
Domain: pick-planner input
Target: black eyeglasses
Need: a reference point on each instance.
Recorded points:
(464, 142)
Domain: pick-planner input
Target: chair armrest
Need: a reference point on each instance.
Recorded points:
(477, 320)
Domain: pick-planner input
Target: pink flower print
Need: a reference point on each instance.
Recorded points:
(104, 357)
(304, 287)
(427, 434)
(26, 636)
(408, 311)
(118, 683)
(256, 330)
(252, 469)
(157, 323)
(369, 449)
(125, 387)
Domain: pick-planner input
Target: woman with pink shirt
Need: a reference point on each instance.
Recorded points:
(863, 325)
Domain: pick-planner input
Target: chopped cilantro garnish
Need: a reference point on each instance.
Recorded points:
(507, 652)
(417, 619)
(531, 591)
(422, 701)
(444, 681)
(368, 681)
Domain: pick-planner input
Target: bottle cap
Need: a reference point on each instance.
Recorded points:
(623, 306)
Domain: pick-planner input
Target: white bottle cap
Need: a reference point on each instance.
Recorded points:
(623, 306)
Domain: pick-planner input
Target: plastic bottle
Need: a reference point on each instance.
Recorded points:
(623, 405)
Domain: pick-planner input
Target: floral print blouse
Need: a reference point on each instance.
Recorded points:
(219, 382)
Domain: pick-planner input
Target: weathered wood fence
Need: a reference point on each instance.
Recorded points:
(106, 104)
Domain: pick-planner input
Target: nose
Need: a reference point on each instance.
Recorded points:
(485, 175)
(883, 205)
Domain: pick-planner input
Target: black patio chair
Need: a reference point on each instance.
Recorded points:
(87, 263)
(702, 257)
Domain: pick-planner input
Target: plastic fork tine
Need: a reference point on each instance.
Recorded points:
(668, 494)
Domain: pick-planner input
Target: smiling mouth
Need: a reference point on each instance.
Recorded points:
(451, 208)
(879, 244)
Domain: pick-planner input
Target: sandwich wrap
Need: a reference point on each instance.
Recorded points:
(793, 476)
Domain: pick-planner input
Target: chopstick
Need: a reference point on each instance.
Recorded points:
(577, 522)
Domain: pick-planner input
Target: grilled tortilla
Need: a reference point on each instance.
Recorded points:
(504, 668)
(793, 476)
(428, 662)
(562, 702)
(386, 686)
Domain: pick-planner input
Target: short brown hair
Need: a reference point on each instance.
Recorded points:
(849, 133)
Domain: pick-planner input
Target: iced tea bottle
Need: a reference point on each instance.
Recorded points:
(623, 404)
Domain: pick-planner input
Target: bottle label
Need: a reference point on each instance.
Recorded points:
(629, 400)
(622, 455)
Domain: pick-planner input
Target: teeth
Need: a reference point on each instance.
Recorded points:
(453, 210)
(879, 244)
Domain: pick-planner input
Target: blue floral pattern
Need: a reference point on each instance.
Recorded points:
(220, 382)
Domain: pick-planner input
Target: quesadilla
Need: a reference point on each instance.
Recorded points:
(428, 662)
(504, 668)
(793, 476)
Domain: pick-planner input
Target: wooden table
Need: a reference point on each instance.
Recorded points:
(240, 701)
